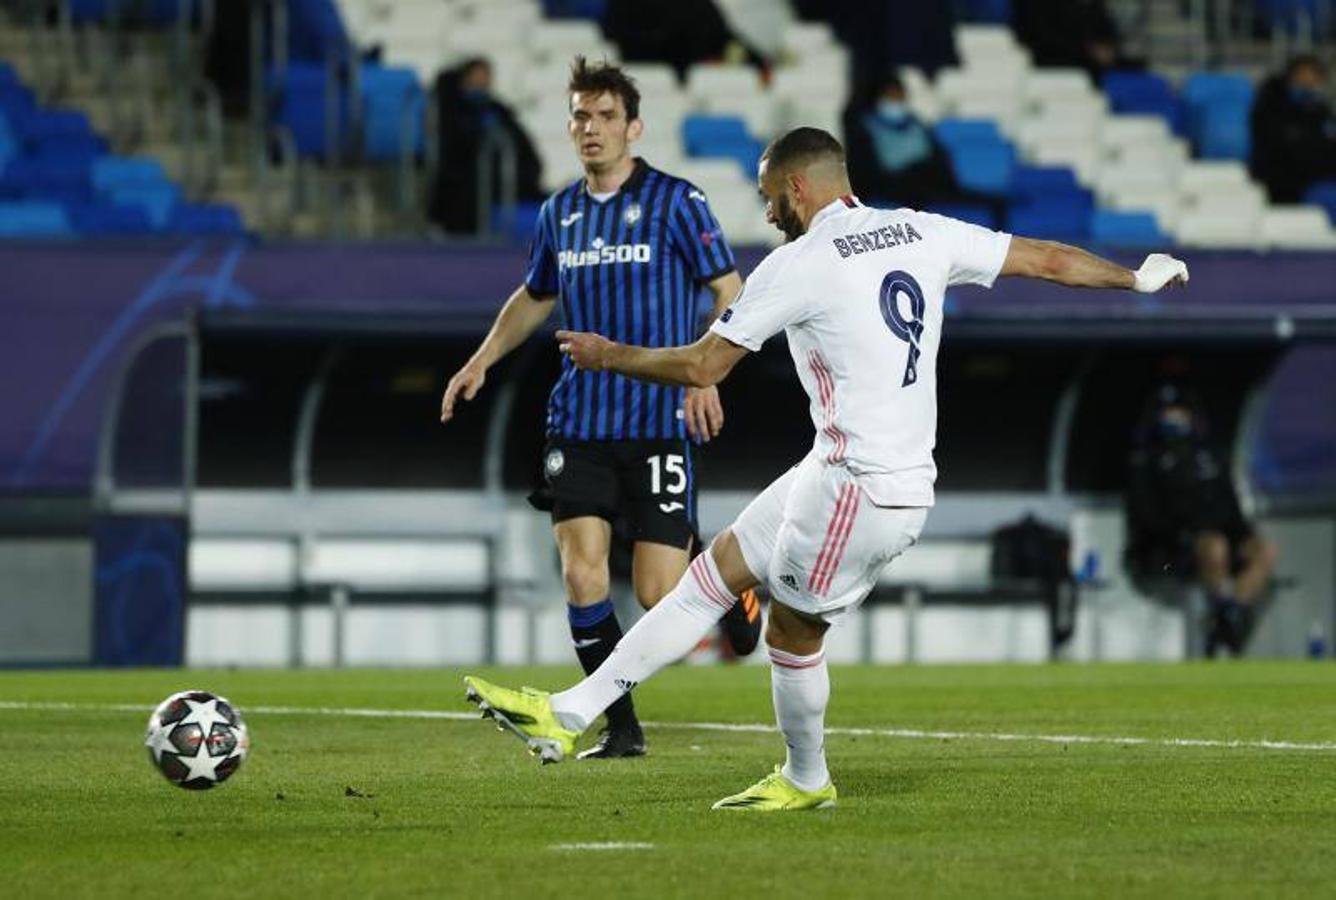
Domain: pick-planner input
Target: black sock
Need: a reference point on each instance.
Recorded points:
(595, 631)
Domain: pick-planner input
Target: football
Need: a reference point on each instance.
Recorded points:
(196, 739)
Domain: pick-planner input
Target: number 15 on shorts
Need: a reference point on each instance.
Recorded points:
(668, 474)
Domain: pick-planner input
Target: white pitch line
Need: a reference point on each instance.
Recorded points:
(739, 728)
(604, 845)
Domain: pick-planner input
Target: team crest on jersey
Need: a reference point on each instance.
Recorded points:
(632, 214)
(555, 462)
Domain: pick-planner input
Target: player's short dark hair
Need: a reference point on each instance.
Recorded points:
(605, 78)
(801, 147)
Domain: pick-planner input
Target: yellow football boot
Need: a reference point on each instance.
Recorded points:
(525, 713)
(775, 793)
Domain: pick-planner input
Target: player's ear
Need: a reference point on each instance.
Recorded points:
(635, 129)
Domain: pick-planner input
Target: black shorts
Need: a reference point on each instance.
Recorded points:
(648, 485)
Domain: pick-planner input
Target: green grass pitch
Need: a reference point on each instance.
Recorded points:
(457, 809)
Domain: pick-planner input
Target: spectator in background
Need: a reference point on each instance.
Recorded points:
(1294, 131)
(881, 33)
(1071, 33)
(1184, 520)
(678, 32)
(896, 159)
(893, 156)
(469, 115)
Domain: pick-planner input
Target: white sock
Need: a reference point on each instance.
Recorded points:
(662, 636)
(800, 686)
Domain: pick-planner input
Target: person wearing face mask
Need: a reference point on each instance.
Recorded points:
(1294, 131)
(1184, 519)
(894, 154)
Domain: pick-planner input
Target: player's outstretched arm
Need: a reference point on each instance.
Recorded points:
(702, 364)
(522, 315)
(1074, 267)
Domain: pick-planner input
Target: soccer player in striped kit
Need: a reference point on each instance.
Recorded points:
(623, 251)
(859, 293)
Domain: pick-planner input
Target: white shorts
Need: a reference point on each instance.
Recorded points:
(818, 543)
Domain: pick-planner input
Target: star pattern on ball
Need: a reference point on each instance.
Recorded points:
(205, 715)
(158, 741)
(201, 765)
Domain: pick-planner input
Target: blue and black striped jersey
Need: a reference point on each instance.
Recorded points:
(628, 268)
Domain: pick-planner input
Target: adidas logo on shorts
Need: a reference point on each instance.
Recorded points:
(789, 581)
(625, 684)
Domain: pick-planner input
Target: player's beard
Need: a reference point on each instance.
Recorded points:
(786, 220)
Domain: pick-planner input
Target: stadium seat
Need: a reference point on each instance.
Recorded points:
(204, 218)
(1143, 93)
(1057, 216)
(394, 108)
(984, 167)
(301, 108)
(575, 9)
(1127, 229)
(55, 179)
(1211, 231)
(1217, 107)
(722, 136)
(111, 172)
(33, 220)
(157, 200)
(1297, 228)
(1323, 194)
(957, 131)
(1035, 182)
(106, 219)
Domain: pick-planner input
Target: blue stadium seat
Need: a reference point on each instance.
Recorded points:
(722, 136)
(392, 99)
(9, 77)
(205, 218)
(106, 219)
(33, 220)
(958, 131)
(1144, 94)
(1132, 230)
(1061, 217)
(1033, 182)
(301, 107)
(55, 179)
(1217, 108)
(984, 166)
(315, 31)
(1323, 194)
(158, 200)
(111, 172)
(52, 123)
(975, 213)
(1295, 16)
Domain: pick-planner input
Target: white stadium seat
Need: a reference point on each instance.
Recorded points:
(1078, 152)
(1211, 231)
(1297, 228)
(984, 42)
(653, 78)
(563, 40)
(1166, 207)
(1047, 85)
(1124, 131)
(1204, 177)
(711, 86)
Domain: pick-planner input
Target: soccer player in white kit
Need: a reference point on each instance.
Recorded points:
(859, 293)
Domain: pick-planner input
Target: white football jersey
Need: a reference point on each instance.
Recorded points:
(860, 298)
